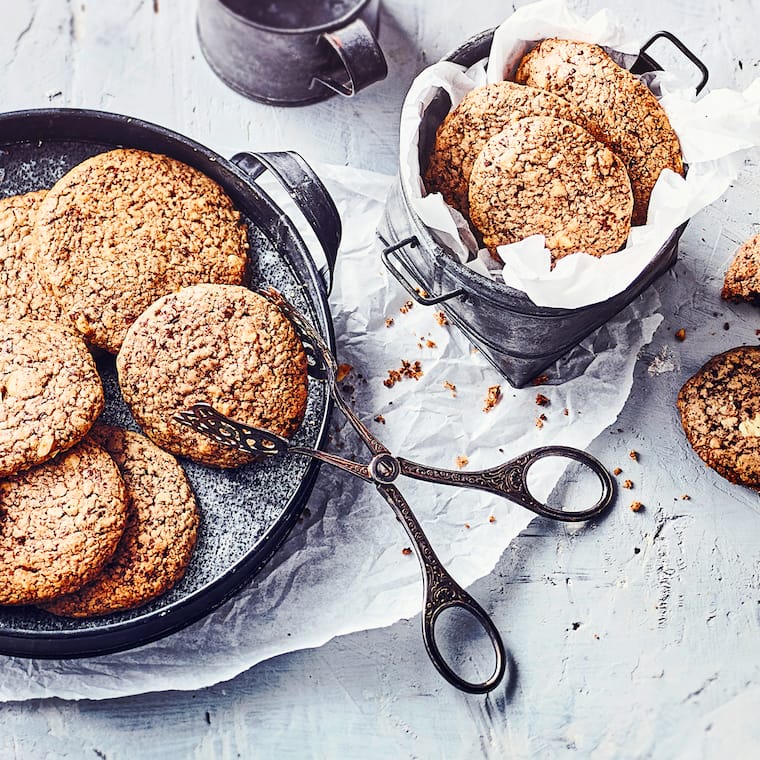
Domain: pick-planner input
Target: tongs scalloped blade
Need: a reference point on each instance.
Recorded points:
(321, 363)
(204, 419)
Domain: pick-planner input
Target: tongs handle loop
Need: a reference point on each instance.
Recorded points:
(527, 500)
(441, 593)
(510, 480)
(466, 602)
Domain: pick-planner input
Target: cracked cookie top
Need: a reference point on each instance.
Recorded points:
(620, 109)
(219, 344)
(126, 227)
(59, 523)
(549, 176)
(483, 113)
(720, 413)
(50, 392)
(159, 536)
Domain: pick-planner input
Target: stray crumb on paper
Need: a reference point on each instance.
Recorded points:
(493, 398)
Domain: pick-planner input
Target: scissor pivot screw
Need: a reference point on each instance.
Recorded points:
(384, 468)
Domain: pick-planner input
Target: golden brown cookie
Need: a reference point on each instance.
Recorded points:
(483, 113)
(160, 533)
(22, 293)
(50, 392)
(126, 227)
(59, 523)
(621, 110)
(219, 344)
(742, 281)
(720, 413)
(548, 176)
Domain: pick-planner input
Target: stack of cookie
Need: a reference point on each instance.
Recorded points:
(137, 254)
(571, 150)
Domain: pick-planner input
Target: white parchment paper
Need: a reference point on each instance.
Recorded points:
(715, 133)
(343, 569)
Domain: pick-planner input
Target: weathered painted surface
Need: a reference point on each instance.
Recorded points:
(642, 639)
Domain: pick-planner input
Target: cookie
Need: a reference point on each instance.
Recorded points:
(22, 293)
(219, 344)
(50, 392)
(126, 227)
(483, 113)
(720, 413)
(160, 532)
(59, 523)
(548, 176)
(621, 110)
(742, 281)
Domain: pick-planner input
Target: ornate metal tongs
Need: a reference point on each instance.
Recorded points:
(508, 480)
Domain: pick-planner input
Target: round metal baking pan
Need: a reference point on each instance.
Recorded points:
(246, 513)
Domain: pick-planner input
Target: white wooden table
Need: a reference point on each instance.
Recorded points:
(655, 654)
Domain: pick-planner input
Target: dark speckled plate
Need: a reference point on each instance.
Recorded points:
(246, 513)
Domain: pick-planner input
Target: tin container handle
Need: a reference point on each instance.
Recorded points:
(360, 55)
(678, 44)
(402, 273)
(309, 194)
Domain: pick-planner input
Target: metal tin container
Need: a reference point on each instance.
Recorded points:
(295, 52)
(519, 338)
(248, 512)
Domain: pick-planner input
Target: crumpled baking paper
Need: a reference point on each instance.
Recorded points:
(342, 569)
(715, 133)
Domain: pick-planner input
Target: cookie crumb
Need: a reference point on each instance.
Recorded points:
(451, 387)
(493, 398)
(380, 419)
(628, 484)
(343, 370)
(542, 400)
(411, 370)
(431, 343)
(462, 461)
(681, 334)
(540, 421)
(422, 293)
(566, 411)
(406, 551)
(617, 471)
(634, 455)
(407, 307)
(467, 525)
(685, 497)
(540, 380)
(389, 322)
(492, 519)
(441, 318)
(637, 506)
